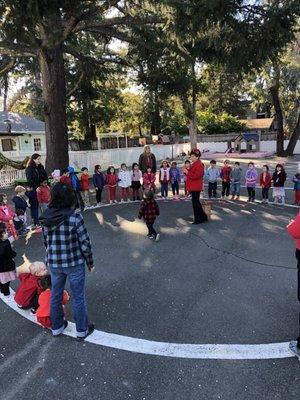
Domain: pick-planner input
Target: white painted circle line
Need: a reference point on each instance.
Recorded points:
(175, 350)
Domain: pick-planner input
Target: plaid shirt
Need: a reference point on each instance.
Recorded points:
(149, 210)
(68, 244)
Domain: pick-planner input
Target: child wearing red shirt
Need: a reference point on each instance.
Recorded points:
(29, 289)
(43, 312)
(85, 186)
(265, 179)
(225, 176)
(112, 180)
(149, 179)
(43, 195)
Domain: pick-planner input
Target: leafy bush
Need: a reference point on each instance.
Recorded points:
(212, 124)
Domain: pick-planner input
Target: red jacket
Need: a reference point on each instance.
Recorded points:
(194, 179)
(27, 289)
(85, 183)
(225, 173)
(293, 229)
(149, 210)
(149, 180)
(65, 179)
(112, 179)
(265, 181)
(43, 194)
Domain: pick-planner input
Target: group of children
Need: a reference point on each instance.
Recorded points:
(231, 178)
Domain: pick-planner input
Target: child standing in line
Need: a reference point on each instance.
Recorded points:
(99, 183)
(20, 201)
(225, 176)
(136, 176)
(85, 186)
(296, 181)
(149, 211)
(76, 185)
(265, 183)
(112, 180)
(65, 177)
(279, 178)
(185, 169)
(7, 264)
(164, 179)
(7, 216)
(124, 182)
(251, 178)
(175, 179)
(43, 195)
(236, 176)
(43, 311)
(149, 179)
(212, 174)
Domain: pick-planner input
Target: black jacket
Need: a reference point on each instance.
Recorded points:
(279, 179)
(143, 165)
(6, 256)
(35, 175)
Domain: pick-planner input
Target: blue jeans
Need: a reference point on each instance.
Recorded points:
(76, 278)
(164, 189)
(235, 188)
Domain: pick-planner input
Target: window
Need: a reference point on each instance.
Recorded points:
(8, 145)
(37, 144)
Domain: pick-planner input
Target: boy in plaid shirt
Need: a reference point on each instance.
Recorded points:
(149, 211)
(68, 251)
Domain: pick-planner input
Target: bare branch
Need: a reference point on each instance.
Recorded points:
(8, 66)
(75, 87)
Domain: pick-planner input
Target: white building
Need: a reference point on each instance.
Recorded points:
(21, 135)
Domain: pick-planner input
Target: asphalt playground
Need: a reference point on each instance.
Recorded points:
(231, 281)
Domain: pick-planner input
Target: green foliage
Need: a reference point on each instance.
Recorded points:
(212, 124)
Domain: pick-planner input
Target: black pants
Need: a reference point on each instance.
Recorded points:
(212, 189)
(251, 193)
(199, 214)
(99, 195)
(4, 288)
(175, 188)
(265, 193)
(151, 230)
(225, 188)
(79, 201)
(298, 289)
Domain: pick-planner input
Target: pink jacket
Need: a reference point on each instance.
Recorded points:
(293, 229)
(6, 215)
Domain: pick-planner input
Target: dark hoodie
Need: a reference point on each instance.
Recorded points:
(53, 217)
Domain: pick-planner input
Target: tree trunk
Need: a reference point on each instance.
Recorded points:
(5, 91)
(193, 125)
(293, 139)
(54, 97)
(274, 90)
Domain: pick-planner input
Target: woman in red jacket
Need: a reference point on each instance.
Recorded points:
(194, 184)
(294, 231)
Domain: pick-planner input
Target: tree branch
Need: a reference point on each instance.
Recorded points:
(75, 87)
(8, 66)
(15, 50)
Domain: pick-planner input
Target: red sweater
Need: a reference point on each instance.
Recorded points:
(265, 180)
(293, 229)
(43, 194)
(225, 173)
(194, 179)
(65, 179)
(27, 289)
(85, 184)
(112, 179)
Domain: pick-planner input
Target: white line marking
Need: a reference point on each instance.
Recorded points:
(176, 350)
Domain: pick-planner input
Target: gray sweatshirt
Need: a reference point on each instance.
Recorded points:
(236, 175)
(212, 174)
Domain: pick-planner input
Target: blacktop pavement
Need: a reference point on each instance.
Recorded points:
(229, 281)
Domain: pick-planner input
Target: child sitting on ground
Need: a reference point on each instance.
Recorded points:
(185, 169)
(112, 180)
(175, 179)
(7, 216)
(279, 178)
(29, 290)
(65, 177)
(99, 183)
(136, 176)
(149, 179)
(7, 264)
(164, 179)
(43, 195)
(149, 211)
(251, 178)
(296, 181)
(85, 186)
(265, 179)
(124, 182)
(225, 176)
(43, 311)
(236, 176)
(212, 174)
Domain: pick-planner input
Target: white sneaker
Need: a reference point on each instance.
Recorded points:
(157, 237)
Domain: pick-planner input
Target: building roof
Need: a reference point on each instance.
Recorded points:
(19, 124)
(259, 123)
